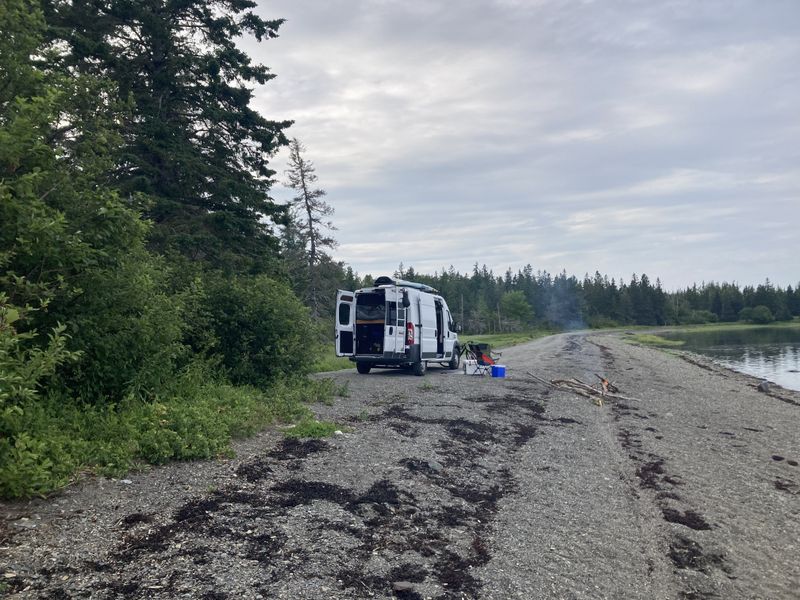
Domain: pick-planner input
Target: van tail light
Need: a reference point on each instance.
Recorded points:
(409, 334)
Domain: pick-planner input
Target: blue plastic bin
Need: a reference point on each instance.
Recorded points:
(498, 370)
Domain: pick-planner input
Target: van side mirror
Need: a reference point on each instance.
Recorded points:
(406, 301)
(457, 327)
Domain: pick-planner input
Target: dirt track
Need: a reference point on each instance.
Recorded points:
(458, 487)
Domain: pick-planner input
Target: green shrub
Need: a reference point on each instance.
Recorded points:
(264, 331)
(312, 429)
(48, 441)
(762, 315)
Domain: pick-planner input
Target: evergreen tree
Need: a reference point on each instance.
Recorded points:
(192, 142)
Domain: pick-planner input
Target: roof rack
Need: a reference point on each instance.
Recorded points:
(384, 280)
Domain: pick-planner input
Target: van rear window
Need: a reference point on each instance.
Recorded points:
(370, 307)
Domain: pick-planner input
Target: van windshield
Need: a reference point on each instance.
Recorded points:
(370, 307)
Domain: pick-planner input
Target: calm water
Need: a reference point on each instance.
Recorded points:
(771, 353)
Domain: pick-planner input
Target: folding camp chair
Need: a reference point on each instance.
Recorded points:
(482, 353)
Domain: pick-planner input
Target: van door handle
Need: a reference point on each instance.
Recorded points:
(391, 330)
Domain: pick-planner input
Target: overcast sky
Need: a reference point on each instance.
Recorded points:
(613, 135)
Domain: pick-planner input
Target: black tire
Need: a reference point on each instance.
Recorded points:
(455, 361)
(420, 367)
(363, 368)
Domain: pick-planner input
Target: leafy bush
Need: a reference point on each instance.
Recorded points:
(762, 315)
(264, 331)
(312, 429)
(49, 441)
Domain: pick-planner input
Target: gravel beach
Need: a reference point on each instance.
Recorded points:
(453, 486)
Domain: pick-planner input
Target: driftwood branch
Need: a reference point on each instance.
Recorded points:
(576, 386)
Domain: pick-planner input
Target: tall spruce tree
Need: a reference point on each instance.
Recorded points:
(192, 142)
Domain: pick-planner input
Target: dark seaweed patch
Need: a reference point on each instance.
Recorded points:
(290, 448)
(469, 431)
(265, 546)
(689, 518)
(353, 579)
(688, 554)
(197, 511)
(791, 462)
(649, 473)
(454, 572)
(255, 470)
(134, 519)
(523, 434)
(383, 492)
(297, 492)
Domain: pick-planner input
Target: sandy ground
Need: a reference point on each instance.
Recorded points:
(451, 486)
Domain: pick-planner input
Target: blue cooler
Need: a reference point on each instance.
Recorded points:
(498, 370)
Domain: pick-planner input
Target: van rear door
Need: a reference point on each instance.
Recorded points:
(345, 323)
(395, 329)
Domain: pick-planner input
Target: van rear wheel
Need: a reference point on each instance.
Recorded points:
(363, 368)
(420, 367)
(455, 361)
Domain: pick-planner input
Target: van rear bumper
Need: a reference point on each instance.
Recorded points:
(389, 359)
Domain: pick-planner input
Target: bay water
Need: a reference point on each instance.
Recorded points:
(768, 352)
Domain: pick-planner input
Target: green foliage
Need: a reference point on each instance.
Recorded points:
(312, 429)
(192, 142)
(328, 361)
(54, 440)
(761, 315)
(262, 328)
(697, 317)
(514, 306)
(649, 339)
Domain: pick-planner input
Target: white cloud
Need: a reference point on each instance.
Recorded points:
(579, 135)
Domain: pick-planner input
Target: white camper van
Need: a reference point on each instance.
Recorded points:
(396, 323)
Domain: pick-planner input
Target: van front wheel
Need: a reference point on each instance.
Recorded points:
(420, 367)
(363, 368)
(455, 361)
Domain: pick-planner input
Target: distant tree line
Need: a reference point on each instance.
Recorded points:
(485, 302)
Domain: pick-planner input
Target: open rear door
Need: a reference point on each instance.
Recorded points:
(345, 320)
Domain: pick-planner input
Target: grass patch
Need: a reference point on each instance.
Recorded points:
(310, 428)
(648, 339)
(504, 340)
(55, 439)
(328, 361)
